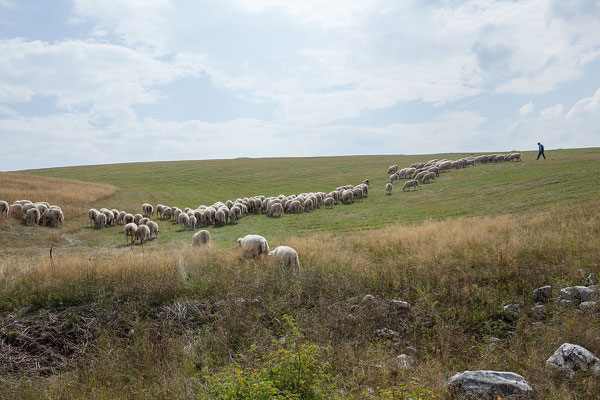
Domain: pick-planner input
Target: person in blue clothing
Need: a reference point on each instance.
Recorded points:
(541, 151)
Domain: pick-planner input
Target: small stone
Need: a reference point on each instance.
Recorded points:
(386, 333)
(538, 311)
(494, 343)
(570, 358)
(398, 305)
(542, 294)
(405, 361)
(569, 293)
(591, 280)
(512, 311)
(368, 300)
(588, 305)
(567, 303)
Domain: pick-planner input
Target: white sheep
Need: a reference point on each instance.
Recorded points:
(183, 220)
(130, 229)
(32, 216)
(153, 226)
(428, 176)
(142, 233)
(147, 209)
(253, 244)
(53, 216)
(92, 214)
(100, 221)
(15, 211)
(276, 210)
(128, 219)
(201, 238)
(347, 197)
(392, 169)
(328, 202)
(288, 258)
(121, 217)
(220, 219)
(3, 208)
(144, 221)
(137, 218)
(409, 184)
(234, 215)
(388, 188)
(192, 222)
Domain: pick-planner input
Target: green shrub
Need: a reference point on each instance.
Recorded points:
(291, 370)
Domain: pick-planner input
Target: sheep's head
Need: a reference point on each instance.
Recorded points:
(239, 242)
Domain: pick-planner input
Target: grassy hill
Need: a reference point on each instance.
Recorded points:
(567, 177)
(170, 321)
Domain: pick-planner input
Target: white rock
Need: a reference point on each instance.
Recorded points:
(489, 385)
(570, 358)
(405, 361)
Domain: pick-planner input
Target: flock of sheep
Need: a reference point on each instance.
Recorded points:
(137, 227)
(140, 227)
(30, 213)
(419, 173)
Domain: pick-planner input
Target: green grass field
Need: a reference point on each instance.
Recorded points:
(567, 177)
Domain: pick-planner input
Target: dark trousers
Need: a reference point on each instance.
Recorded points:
(541, 153)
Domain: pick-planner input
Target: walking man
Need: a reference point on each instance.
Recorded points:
(541, 151)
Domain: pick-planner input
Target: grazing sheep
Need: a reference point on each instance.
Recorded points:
(392, 169)
(159, 210)
(3, 208)
(254, 244)
(142, 233)
(15, 211)
(32, 216)
(130, 229)
(176, 212)
(100, 221)
(183, 220)
(92, 214)
(109, 216)
(428, 176)
(328, 202)
(144, 221)
(234, 215)
(308, 205)
(137, 218)
(409, 184)
(128, 219)
(358, 193)
(147, 209)
(295, 207)
(121, 217)
(53, 216)
(367, 182)
(28, 206)
(192, 222)
(207, 217)
(167, 213)
(388, 188)
(394, 177)
(276, 210)
(153, 226)
(220, 219)
(201, 238)
(288, 258)
(347, 197)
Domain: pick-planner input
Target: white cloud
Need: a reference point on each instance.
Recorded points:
(552, 111)
(586, 105)
(526, 109)
(106, 78)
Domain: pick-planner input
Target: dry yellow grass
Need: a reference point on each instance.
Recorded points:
(74, 197)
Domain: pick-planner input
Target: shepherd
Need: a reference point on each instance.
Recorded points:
(541, 151)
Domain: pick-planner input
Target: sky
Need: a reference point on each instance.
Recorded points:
(90, 82)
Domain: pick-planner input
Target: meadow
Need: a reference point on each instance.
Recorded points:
(170, 321)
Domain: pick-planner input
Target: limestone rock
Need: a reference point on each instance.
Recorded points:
(489, 385)
(571, 358)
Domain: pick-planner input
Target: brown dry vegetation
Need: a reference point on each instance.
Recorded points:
(194, 311)
(74, 197)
